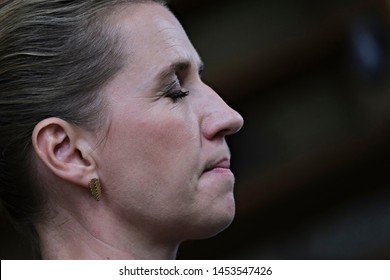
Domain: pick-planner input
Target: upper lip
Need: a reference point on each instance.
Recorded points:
(220, 163)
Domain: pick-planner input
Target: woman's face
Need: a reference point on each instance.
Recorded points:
(164, 165)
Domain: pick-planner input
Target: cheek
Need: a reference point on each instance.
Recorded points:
(156, 158)
(168, 140)
(171, 153)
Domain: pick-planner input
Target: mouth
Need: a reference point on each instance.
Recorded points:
(221, 166)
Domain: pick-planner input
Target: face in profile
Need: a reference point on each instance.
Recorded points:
(165, 163)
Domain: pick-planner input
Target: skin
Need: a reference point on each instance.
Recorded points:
(164, 162)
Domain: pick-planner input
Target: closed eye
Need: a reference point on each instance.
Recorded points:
(174, 91)
(177, 95)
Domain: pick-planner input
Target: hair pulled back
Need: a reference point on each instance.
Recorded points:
(55, 55)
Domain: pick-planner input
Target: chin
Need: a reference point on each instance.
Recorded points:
(215, 221)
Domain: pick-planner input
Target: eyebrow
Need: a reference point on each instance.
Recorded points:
(180, 65)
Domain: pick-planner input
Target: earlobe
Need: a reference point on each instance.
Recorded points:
(63, 149)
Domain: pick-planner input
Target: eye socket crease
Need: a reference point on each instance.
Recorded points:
(169, 81)
(178, 68)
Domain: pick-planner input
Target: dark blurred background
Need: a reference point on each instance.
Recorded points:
(312, 80)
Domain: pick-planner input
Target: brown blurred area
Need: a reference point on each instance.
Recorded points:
(312, 81)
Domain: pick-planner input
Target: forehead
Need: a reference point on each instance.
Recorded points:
(150, 33)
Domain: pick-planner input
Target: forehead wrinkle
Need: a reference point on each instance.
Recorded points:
(178, 42)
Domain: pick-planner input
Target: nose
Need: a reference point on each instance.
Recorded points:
(219, 119)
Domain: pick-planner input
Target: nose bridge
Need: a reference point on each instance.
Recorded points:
(219, 119)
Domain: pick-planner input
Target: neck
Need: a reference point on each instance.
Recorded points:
(73, 238)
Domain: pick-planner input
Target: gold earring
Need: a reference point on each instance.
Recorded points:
(96, 188)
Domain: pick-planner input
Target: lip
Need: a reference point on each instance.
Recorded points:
(219, 166)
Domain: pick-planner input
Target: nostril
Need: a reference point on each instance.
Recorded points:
(223, 133)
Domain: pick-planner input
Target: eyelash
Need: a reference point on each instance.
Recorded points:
(175, 94)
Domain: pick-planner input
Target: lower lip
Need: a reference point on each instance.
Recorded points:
(220, 170)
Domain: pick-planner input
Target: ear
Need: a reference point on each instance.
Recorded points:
(65, 150)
